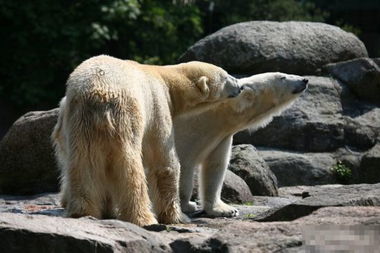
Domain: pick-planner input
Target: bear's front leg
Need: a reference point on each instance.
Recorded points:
(211, 181)
(186, 188)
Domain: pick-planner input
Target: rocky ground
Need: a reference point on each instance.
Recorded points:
(302, 219)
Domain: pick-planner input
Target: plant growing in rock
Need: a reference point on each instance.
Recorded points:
(342, 172)
(250, 216)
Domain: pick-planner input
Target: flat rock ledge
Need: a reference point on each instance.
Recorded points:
(301, 219)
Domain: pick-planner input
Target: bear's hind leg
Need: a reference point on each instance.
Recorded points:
(131, 188)
(82, 194)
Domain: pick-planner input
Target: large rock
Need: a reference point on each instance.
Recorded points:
(325, 230)
(362, 75)
(247, 164)
(39, 233)
(235, 190)
(27, 163)
(265, 46)
(296, 168)
(292, 168)
(325, 196)
(370, 166)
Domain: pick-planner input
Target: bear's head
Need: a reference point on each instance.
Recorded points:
(206, 85)
(266, 95)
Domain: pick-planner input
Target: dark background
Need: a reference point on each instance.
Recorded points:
(42, 41)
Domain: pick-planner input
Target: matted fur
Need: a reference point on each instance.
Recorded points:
(114, 114)
(205, 141)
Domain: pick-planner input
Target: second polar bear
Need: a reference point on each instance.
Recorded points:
(205, 141)
(116, 120)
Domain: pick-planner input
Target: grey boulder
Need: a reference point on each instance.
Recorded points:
(267, 46)
(40, 233)
(292, 168)
(314, 198)
(250, 166)
(370, 166)
(362, 75)
(235, 190)
(27, 163)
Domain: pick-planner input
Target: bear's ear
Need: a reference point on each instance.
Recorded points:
(202, 85)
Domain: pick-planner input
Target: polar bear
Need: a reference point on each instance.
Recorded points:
(117, 112)
(205, 140)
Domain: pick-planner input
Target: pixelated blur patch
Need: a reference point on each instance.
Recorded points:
(340, 238)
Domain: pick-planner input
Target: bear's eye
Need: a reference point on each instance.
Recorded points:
(282, 78)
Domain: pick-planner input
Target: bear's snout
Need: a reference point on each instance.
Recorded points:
(301, 86)
(232, 87)
(235, 92)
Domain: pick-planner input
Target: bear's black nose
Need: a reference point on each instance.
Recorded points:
(235, 94)
(301, 86)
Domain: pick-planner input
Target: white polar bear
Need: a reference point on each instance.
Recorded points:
(205, 140)
(115, 121)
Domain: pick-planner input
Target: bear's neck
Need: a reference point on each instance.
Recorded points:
(229, 116)
(178, 90)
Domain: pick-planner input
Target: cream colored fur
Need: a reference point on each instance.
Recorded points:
(205, 140)
(116, 120)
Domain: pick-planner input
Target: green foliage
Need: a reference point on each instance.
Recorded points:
(349, 28)
(248, 203)
(168, 229)
(42, 42)
(250, 215)
(342, 172)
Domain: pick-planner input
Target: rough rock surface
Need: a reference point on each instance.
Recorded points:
(247, 164)
(362, 75)
(370, 165)
(317, 197)
(55, 234)
(27, 163)
(344, 217)
(265, 46)
(294, 168)
(235, 190)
